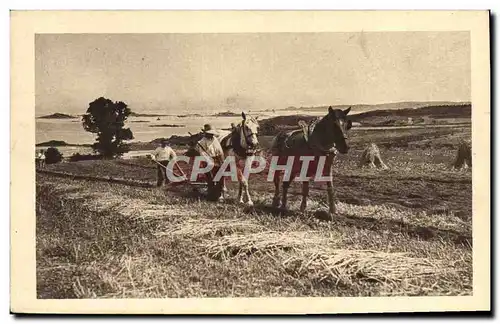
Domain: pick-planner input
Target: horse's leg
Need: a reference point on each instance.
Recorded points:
(159, 175)
(240, 185)
(244, 181)
(276, 180)
(305, 193)
(286, 185)
(329, 188)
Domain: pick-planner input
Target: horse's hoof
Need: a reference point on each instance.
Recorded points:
(325, 215)
(276, 203)
(250, 203)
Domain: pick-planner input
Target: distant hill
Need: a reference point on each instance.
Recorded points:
(57, 143)
(384, 106)
(435, 114)
(57, 116)
(374, 117)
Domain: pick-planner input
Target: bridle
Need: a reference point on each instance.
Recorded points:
(245, 136)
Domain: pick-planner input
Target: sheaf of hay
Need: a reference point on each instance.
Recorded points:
(238, 244)
(199, 227)
(371, 157)
(464, 155)
(345, 266)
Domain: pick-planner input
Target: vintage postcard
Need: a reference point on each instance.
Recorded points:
(243, 162)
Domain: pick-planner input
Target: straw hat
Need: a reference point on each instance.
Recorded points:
(208, 129)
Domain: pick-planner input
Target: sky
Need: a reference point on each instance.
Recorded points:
(172, 73)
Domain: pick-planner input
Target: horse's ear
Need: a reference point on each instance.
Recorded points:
(347, 111)
(330, 110)
(243, 115)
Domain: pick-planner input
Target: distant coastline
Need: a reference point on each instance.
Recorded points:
(189, 115)
(167, 125)
(134, 114)
(226, 114)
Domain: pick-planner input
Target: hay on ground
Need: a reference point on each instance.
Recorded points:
(238, 244)
(371, 156)
(464, 155)
(345, 266)
(198, 227)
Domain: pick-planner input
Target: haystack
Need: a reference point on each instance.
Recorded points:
(464, 155)
(371, 156)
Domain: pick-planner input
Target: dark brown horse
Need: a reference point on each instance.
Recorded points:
(319, 142)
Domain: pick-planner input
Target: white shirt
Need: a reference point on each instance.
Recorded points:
(40, 155)
(164, 153)
(212, 147)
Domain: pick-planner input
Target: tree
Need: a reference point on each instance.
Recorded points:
(52, 155)
(107, 119)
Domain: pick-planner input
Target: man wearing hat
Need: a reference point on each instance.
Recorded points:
(212, 148)
(162, 155)
(211, 144)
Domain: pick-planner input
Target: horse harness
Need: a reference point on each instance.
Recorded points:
(241, 151)
(307, 131)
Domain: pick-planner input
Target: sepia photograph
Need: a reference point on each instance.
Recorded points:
(257, 164)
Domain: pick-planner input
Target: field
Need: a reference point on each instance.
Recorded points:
(105, 231)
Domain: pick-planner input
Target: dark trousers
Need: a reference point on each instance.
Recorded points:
(162, 173)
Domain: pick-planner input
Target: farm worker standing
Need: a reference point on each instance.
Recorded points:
(211, 145)
(40, 158)
(212, 148)
(162, 155)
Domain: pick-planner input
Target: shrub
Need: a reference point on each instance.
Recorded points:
(84, 157)
(464, 155)
(52, 155)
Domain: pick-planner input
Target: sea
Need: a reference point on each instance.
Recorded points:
(143, 128)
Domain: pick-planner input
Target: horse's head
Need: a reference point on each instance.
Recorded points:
(248, 130)
(333, 129)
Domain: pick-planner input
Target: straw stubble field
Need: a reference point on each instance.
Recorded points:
(404, 231)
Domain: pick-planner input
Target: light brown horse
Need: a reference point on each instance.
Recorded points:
(241, 143)
(319, 141)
